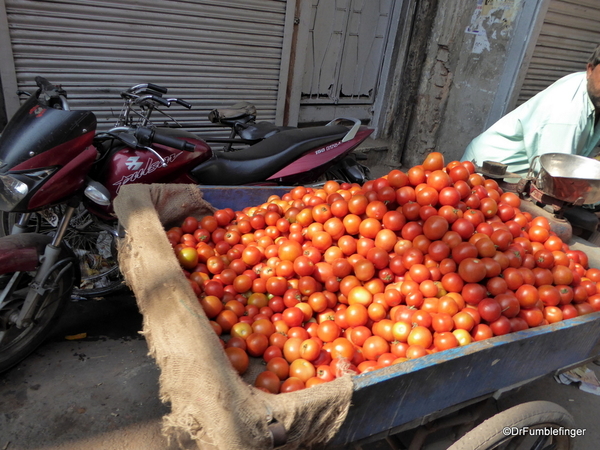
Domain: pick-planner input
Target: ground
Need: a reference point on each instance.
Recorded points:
(98, 392)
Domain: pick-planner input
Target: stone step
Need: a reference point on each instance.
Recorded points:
(376, 152)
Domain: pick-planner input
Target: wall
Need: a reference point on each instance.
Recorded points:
(461, 71)
(3, 119)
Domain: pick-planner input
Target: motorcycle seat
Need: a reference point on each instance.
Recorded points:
(259, 161)
(254, 132)
(238, 111)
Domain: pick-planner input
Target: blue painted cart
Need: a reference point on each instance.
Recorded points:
(405, 396)
(410, 394)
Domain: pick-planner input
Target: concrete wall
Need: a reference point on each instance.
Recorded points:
(3, 119)
(461, 71)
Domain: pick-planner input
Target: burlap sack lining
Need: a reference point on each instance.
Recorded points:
(209, 401)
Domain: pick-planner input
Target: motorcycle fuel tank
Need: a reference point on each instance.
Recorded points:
(127, 165)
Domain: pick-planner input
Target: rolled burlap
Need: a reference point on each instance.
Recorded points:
(210, 402)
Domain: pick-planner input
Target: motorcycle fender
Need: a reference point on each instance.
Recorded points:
(21, 252)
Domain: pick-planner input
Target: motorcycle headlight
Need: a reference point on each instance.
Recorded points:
(97, 193)
(15, 187)
(12, 191)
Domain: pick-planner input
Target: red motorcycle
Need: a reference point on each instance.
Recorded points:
(58, 178)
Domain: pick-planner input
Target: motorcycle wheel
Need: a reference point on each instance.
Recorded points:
(93, 242)
(16, 344)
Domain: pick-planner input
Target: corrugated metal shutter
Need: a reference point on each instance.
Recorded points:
(568, 36)
(211, 53)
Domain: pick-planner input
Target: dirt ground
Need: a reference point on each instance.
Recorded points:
(101, 392)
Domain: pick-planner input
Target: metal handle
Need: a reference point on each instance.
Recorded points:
(350, 134)
(531, 172)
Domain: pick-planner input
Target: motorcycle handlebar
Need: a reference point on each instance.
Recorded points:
(157, 88)
(54, 96)
(183, 103)
(138, 88)
(154, 98)
(147, 136)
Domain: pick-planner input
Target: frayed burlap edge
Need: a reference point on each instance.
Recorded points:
(208, 400)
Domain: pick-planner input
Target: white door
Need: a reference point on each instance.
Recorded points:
(345, 48)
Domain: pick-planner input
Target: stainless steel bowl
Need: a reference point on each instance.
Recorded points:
(570, 178)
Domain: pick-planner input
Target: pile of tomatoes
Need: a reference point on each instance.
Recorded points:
(346, 277)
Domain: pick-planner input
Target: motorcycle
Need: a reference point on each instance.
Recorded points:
(58, 178)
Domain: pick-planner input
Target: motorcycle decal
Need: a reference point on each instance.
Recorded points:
(133, 163)
(151, 166)
(326, 149)
(37, 110)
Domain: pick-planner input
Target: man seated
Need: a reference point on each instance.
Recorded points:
(562, 118)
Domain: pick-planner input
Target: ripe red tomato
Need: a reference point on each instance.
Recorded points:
(472, 270)
(549, 295)
(532, 316)
(421, 336)
(449, 196)
(481, 332)
(489, 309)
(527, 295)
(292, 384)
(473, 293)
(434, 161)
(189, 225)
(268, 381)
(256, 344)
(445, 340)
(435, 227)
(464, 250)
(397, 179)
(553, 314)
(374, 347)
(238, 359)
(584, 308)
(500, 326)
(427, 196)
(364, 270)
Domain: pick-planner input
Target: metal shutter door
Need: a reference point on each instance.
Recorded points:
(211, 53)
(568, 35)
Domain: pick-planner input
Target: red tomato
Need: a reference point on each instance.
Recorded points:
(527, 295)
(374, 347)
(500, 326)
(489, 309)
(472, 270)
(435, 227)
(445, 340)
(481, 332)
(434, 161)
(421, 336)
(238, 359)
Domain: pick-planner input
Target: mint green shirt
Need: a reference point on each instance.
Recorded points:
(560, 119)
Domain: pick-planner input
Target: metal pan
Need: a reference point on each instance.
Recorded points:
(570, 178)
